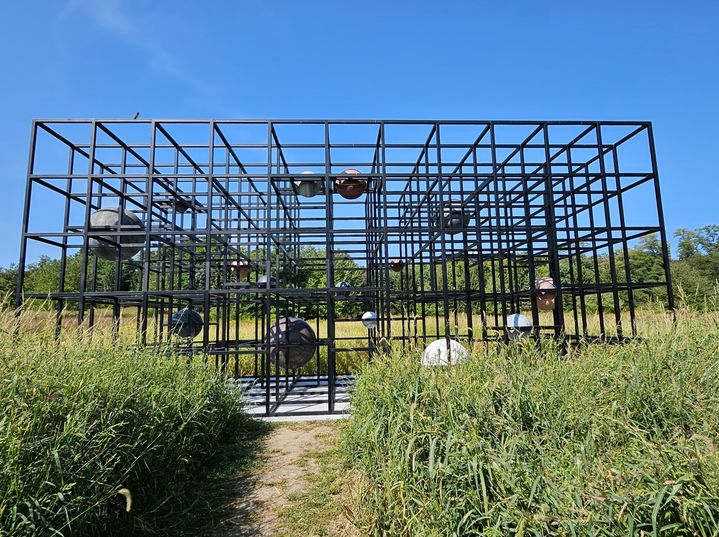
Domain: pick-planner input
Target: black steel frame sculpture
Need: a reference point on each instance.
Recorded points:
(447, 226)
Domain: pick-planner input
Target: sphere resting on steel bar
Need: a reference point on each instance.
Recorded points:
(108, 220)
(453, 217)
(345, 286)
(186, 323)
(518, 326)
(241, 268)
(444, 352)
(306, 187)
(262, 282)
(369, 319)
(292, 342)
(396, 265)
(546, 293)
(350, 187)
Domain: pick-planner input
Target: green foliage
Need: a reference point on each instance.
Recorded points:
(696, 273)
(312, 275)
(82, 420)
(610, 440)
(8, 280)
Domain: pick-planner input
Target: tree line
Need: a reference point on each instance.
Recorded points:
(695, 273)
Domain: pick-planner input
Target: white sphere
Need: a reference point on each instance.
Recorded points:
(441, 353)
(369, 319)
(518, 326)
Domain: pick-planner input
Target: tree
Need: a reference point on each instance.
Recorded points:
(696, 272)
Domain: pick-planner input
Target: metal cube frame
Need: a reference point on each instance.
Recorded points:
(530, 198)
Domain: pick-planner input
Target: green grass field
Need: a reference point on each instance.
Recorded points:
(608, 440)
(87, 427)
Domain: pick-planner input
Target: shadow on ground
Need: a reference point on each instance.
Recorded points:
(225, 498)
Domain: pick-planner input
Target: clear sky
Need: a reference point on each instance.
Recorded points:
(525, 59)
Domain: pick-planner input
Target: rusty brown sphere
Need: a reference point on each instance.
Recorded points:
(242, 268)
(396, 265)
(349, 187)
(292, 342)
(546, 293)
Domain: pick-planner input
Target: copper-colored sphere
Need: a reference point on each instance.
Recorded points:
(349, 187)
(546, 302)
(546, 291)
(396, 265)
(241, 268)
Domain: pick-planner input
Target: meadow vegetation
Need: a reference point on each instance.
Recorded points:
(98, 439)
(606, 440)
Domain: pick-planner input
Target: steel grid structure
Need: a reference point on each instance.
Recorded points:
(458, 221)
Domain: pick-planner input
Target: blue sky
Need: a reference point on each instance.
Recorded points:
(643, 60)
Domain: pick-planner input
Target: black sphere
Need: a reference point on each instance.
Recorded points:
(186, 323)
(292, 342)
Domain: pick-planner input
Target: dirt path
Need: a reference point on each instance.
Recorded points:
(263, 502)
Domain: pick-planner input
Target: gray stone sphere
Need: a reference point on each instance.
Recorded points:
(186, 323)
(107, 220)
(292, 342)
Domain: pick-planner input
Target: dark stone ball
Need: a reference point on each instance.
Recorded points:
(186, 323)
(292, 342)
(107, 220)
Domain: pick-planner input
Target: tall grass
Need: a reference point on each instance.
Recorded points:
(82, 420)
(608, 440)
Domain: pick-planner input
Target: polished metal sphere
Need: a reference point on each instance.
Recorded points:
(262, 282)
(369, 319)
(518, 326)
(346, 288)
(306, 187)
(186, 323)
(107, 220)
(453, 217)
(292, 342)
